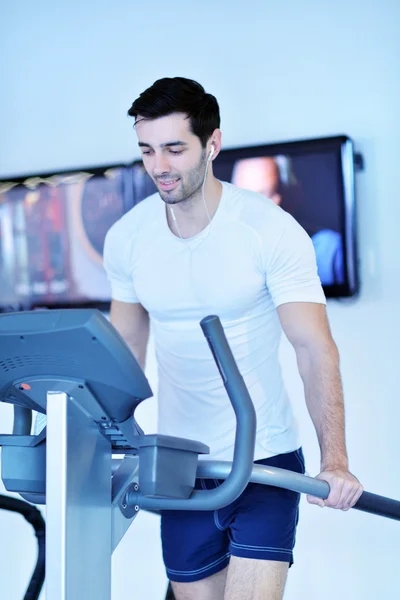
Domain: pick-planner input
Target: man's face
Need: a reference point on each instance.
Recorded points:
(172, 155)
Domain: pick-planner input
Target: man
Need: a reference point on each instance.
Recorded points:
(198, 247)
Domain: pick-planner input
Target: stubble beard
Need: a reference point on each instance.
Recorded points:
(189, 186)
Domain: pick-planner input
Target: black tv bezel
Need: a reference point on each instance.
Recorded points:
(99, 170)
(344, 146)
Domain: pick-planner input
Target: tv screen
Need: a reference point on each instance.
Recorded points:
(52, 230)
(313, 180)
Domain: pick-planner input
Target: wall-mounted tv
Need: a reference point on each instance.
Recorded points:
(52, 230)
(313, 180)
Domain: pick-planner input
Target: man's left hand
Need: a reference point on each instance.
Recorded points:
(345, 490)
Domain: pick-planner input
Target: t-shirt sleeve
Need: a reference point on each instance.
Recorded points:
(291, 267)
(116, 264)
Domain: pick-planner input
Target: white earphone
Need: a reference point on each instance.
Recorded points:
(211, 152)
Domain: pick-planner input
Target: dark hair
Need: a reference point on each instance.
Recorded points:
(178, 94)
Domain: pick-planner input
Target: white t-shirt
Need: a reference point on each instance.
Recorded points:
(249, 260)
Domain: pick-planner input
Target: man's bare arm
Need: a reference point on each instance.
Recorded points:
(307, 328)
(132, 323)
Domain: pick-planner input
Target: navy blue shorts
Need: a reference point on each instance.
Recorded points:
(260, 524)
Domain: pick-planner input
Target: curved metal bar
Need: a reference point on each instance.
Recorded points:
(241, 467)
(266, 475)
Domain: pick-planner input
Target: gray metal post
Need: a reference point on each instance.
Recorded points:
(78, 497)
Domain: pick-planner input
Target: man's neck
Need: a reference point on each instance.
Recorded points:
(191, 214)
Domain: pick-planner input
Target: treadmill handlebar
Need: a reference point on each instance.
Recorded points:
(303, 484)
(242, 470)
(243, 454)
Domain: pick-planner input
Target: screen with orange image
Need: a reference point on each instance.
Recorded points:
(52, 230)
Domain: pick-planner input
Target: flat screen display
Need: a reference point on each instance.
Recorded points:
(52, 230)
(313, 180)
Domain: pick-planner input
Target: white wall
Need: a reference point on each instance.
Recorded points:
(281, 70)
